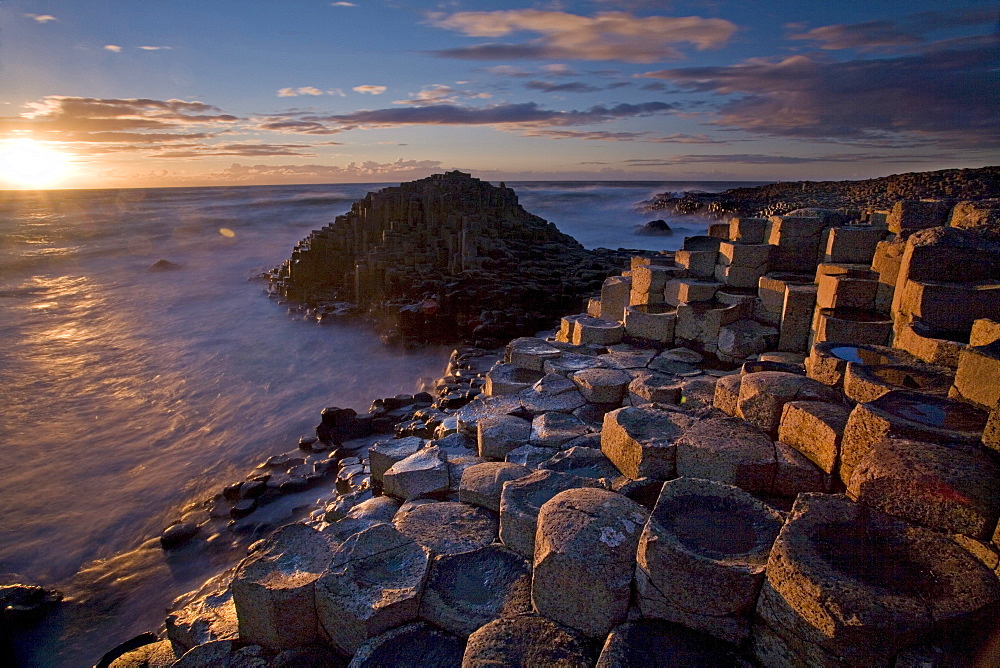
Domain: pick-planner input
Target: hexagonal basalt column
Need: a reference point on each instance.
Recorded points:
(948, 488)
(499, 434)
(653, 322)
(851, 326)
(728, 450)
(373, 584)
(602, 386)
(530, 353)
(273, 588)
(398, 646)
(978, 377)
(814, 428)
(448, 527)
(764, 394)
(653, 642)
(509, 379)
(904, 414)
(827, 362)
(465, 591)
(482, 483)
(587, 330)
(527, 640)
(849, 586)
(584, 559)
(864, 383)
(640, 441)
(615, 297)
(702, 554)
(652, 387)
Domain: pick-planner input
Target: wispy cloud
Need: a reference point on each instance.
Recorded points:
(156, 48)
(238, 149)
(945, 95)
(905, 32)
(41, 18)
(550, 87)
(598, 135)
(605, 36)
(342, 4)
(399, 170)
(305, 90)
(370, 89)
(507, 71)
(510, 117)
(437, 94)
(764, 159)
(113, 47)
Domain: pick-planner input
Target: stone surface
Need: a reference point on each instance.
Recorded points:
(467, 417)
(482, 483)
(527, 640)
(864, 383)
(529, 456)
(499, 434)
(977, 380)
(377, 509)
(746, 338)
(570, 363)
(684, 290)
(814, 428)
(424, 472)
(521, 500)
(730, 451)
(552, 393)
(795, 473)
(827, 362)
(399, 646)
(449, 527)
(211, 615)
(953, 489)
(640, 440)
(911, 415)
(702, 554)
(154, 655)
(614, 297)
(796, 317)
(849, 585)
(602, 386)
(697, 263)
(597, 331)
(509, 379)
(273, 588)
(373, 584)
(797, 236)
(530, 353)
(727, 393)
(652, 642)
(653, 322)
(764, 394)
(383, 454)
(583, 462)
(468, 590)
(652, 387)
(852, 244)
(584, 559)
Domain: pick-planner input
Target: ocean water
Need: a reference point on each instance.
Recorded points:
(125, 393)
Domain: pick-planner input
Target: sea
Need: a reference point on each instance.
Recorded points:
(127, 394)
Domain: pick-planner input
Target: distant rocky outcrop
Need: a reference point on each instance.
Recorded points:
(445, 258)
(655, 228)
(849, 196)
(164, 265)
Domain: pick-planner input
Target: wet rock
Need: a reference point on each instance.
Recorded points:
(449, 527)
(178, 534)
(521, 500)
(948, 488)
(849, 585)
(640, 440)
(482, 484)
(210, 616)
(526, 640)
(163, 265)
(584, 559)
(373, 584)
(424, 472)
(730, 451)
(273, 588)
(655, 228)
(400, 647)
(467, 590)
(764, 394)
(499, 434)
(702, 555)
(156, 654)
(652, 642)
(552, 430)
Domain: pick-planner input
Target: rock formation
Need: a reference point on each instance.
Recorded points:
(444, 258)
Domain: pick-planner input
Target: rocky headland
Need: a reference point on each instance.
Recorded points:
(778, 446)
(431, 260)
(852, 197)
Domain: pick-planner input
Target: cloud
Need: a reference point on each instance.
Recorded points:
(370, 89)
(905, 32)
(436, 94)
(156, 48)
(113, 47)
(621, 136)
(507, 116)
(558, 70)
(41, 18)
(238, 149)
(90, 121)
(763, 159)
(507, 71)
(290, 126)
(342, 4)
(949, 96)
(550, 87)
(305, 90)
(606, 36)
(400, 170)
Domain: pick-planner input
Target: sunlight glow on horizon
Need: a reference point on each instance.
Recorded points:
(30, 165)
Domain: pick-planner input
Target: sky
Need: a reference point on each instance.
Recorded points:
(127, 93)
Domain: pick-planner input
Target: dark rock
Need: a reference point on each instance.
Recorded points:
(25, 604)
(164, 265)
(526, 640)
(178, 534)
(416, 643)
(129, 645)
(655, 228)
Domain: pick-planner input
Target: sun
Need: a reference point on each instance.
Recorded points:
(26, 163)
